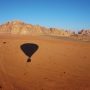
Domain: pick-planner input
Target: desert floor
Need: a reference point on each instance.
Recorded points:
(58, 64)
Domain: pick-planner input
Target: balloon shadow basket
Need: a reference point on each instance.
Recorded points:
(29, 59)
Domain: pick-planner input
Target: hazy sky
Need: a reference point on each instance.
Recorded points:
(68, 14)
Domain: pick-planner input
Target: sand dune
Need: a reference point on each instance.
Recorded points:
(57, 64)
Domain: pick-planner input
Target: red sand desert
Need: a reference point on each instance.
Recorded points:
(58, 64)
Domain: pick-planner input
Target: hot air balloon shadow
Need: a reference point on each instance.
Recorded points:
(29, 49)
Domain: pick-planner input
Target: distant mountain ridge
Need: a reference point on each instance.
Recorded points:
(84, 32)
(19, 27)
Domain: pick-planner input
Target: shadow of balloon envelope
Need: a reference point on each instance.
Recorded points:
(29, 49)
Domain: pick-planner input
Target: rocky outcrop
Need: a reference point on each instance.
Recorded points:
(83, 35)
(18, 27)
(84, 32)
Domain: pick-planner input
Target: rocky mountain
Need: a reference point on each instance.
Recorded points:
(84, 32)
(18, 27)
(83, 35)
